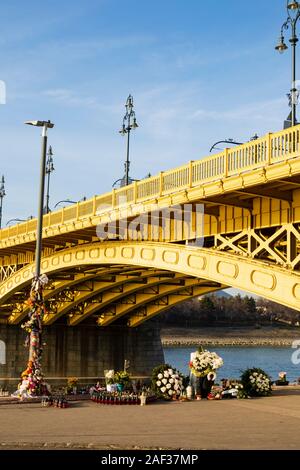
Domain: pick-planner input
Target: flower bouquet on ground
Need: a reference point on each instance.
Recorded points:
(122, 379)
(166, 382)
(233, 389)
(256, 383)
(203, 362)
(109, 379)
(282, 379)
(72, 385)
(215, 393)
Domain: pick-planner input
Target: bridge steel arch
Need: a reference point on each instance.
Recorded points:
(262, 278)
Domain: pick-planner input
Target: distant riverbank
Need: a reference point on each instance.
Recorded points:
(229, 336)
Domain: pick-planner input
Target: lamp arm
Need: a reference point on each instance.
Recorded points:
(285, 25)
(224, 142)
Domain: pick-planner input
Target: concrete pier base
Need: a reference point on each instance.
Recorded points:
(83, 351)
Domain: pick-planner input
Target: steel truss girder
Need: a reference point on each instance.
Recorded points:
(108, 289)
(155, 308)
(127, 297)
(142, 298)
(280, 245)
(55, 288)
(7, 271)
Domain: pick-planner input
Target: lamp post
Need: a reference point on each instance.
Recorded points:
(49, 169)
(293, 11)
(32, 378)
(2, 195)
(38, 252)
(129, 123)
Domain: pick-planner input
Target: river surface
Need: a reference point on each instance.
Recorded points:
(236, 359)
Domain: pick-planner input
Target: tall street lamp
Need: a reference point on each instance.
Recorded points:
(38, 252)
(2, 195)
(293, 11)
(32, 378)
(129, 123)
(49, 169)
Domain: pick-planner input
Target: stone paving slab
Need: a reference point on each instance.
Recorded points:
(264, 423)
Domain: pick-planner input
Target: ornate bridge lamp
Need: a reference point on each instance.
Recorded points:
(129, 123)
(2, 195)
(49, 169)
(32, 378)
(293, 11)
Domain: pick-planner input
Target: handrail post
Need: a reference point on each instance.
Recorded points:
(269, 149)
(191, 173)
(113, 199)
(134, 192)
(94, 206)
(226, 162)
(161, 183)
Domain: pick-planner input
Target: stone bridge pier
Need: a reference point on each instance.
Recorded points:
(84, 351)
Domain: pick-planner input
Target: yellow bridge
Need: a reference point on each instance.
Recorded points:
(228, 220)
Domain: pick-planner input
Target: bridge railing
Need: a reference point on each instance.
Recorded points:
(267, 150)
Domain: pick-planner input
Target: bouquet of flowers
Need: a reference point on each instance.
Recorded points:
(282, 379)
(204, 362)
(72, 381)
(110, 376)
(256, 382)
(122, 378)
(166, 382)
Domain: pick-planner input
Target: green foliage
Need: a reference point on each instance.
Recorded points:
(256, 382)
(122, 377)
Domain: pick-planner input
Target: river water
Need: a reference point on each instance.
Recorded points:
(271, 359)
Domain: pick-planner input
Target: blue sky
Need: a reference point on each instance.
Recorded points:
(198, 71)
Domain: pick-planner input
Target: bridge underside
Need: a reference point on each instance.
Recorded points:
(129, 283)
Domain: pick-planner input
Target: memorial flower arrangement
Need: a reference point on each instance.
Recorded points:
(282, 380)
(166, 382)
(32, 379)
(122, 378)
(241, 393)
(110, 377)
(282, 376)
(256, 383)
(72, 381)
(204, 362)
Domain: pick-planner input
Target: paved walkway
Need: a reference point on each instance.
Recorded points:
(265, 423)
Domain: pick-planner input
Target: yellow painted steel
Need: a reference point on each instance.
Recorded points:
(250, 230)
(142, 299)
(267, 159)
(152, 310)
(21, 310)
(262, 278)
(108, 296)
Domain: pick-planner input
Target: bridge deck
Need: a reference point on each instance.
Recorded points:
(245, 178)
